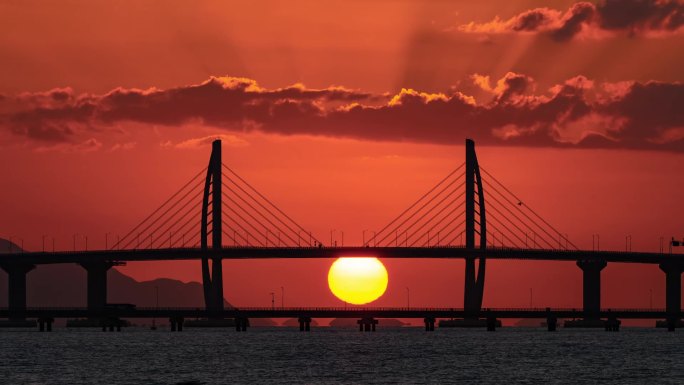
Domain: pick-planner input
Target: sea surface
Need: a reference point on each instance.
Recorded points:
(342, 356)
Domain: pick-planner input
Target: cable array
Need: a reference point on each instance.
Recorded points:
(436, 218)
(176, 223)
(248, 219)
(512, 223)
(251, 219)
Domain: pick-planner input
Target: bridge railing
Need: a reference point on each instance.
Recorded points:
(295, 248)
(342, 309)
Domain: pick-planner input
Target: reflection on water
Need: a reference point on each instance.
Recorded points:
(341, 356)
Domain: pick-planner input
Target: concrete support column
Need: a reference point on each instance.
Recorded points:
(241, 324)
(591, 287)
(176, 323)
(491, 323)
(304, 324)
(673, 293)
(367, 324)
(111, 323)
(16, 289)
(429, 324)
(551, 320)
(612, 323)
(45, 322)
(97, 284)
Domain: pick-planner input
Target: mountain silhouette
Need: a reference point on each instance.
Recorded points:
(64, 285)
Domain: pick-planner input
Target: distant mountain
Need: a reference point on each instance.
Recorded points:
(9, 247)
(65, 285)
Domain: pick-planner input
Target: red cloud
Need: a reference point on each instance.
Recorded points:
(633, 17)
(576, 113)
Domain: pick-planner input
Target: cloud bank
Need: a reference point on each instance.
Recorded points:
(647, 18)
(579, 113)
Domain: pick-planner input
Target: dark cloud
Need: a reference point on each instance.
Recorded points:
(641, 15)
(533, 20)
(579, 15)
(577, 113)
(633, 17)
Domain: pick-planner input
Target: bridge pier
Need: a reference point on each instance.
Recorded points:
(367, 324)
(673, 293)
(241, 324)
(97, 283)
(492, 323)
(304, 324)
(612, 324)
(111, 323)
(45, 322)
(429, 324)
(176, 323)
(591, 288)
(551, 320)
(16, 289)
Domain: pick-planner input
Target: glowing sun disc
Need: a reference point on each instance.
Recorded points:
(358, 280)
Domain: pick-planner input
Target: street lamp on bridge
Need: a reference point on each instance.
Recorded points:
(85, 237)
(595, 242)
(662, 241)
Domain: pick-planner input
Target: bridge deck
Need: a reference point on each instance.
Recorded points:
(332, 312)
(444, 252)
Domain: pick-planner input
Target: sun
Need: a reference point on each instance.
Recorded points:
(357, 280)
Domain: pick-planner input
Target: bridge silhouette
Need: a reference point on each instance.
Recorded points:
(218, 215)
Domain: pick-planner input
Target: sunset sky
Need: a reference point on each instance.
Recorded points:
(343, 113)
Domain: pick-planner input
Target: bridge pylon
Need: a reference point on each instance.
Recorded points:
(476, 223)
(211, 215)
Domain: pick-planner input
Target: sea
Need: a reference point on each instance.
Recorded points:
(326, 355)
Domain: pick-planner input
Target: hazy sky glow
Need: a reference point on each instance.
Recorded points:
(344, 112)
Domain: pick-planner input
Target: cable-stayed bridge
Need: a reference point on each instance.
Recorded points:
(218, 215)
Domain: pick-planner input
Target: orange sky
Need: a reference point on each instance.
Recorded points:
(99, 160)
